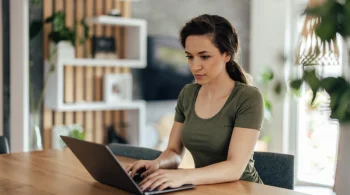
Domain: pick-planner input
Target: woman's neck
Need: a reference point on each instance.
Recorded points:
(220, 87)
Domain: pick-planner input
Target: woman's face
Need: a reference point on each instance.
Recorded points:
(205, 60)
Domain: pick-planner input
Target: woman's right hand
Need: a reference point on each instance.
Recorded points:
(149, 166)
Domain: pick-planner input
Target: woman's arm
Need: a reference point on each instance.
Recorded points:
(172, 156)
(241, 147)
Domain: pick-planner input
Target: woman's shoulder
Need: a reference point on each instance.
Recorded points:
(190, 88)
(249, 92)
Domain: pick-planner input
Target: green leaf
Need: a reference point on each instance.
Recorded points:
(77, 134)
(34, 29)
(58, 22)
(278, 88)
(327, 30)
(267, 75)
(329, 84)
(343, 105)
(268, 105)
(311, 79)
(296, 84)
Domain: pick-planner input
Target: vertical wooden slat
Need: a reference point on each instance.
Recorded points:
(89, 77)
(107, 70)
(98, 81)
(79, 87)
(69, 70)
(126, 12)
(58, 116)
(47, 114)
(116, 70)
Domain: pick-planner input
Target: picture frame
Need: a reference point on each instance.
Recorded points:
(117, 87)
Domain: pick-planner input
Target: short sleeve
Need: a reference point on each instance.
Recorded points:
(250, 109)
(179, 110)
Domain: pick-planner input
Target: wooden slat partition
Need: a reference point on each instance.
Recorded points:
(126, 12)
(85, 83)
(98, 79)
(47, 114)
(89, 76)
(58, 116)
(79, 71)
(116, 114)
(69, 70)
(108, 33)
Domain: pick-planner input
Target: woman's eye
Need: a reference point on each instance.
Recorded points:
(205, 57)
(189, 57)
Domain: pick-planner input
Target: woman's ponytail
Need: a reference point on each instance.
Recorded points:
(236, 73)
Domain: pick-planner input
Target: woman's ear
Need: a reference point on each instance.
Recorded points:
(227, 57)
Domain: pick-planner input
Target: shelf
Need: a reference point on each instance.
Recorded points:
(101, 106)
(114, 20)
(103, 62)
(135, 40)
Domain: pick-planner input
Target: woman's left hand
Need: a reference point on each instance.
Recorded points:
(164, 178)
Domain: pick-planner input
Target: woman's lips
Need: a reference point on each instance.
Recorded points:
(199, 76)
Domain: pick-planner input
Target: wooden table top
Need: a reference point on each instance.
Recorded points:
(56, 172)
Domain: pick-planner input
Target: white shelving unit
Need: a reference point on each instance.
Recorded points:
(136, 37)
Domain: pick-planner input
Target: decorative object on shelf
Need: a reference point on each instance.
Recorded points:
(117, 87)
(104, 47)
(115, 12)
(334, 17)
(74, 130)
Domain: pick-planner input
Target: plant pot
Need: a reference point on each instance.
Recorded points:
(62, 50)
(342, 176)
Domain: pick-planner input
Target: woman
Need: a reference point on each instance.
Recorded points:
(218, 118)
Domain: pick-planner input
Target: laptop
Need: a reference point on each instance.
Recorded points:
(105, 168)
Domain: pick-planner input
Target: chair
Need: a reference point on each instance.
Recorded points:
(275, 169)
(4, 146)
(134, 151)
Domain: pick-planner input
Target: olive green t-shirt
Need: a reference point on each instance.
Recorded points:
(208, 139)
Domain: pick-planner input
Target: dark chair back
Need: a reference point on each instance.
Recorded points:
(275, 169)
(134, 151)
(4, 146)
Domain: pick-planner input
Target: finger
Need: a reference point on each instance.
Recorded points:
(149, 180)
(129, 167)
(148, 183)
(147, 173)
(151, 176)
(158, 182)
(135, 169)
(163, 186)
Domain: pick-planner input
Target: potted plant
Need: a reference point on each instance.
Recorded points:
(334, 19)
(63, 40)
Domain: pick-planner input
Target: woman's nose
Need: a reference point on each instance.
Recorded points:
(196, 65)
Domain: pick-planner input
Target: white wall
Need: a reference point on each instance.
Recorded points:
(273, 34)
(1, 78)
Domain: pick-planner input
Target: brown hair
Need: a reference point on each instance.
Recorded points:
(223, 36)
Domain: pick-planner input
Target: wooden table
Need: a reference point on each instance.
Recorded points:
(59, 172)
